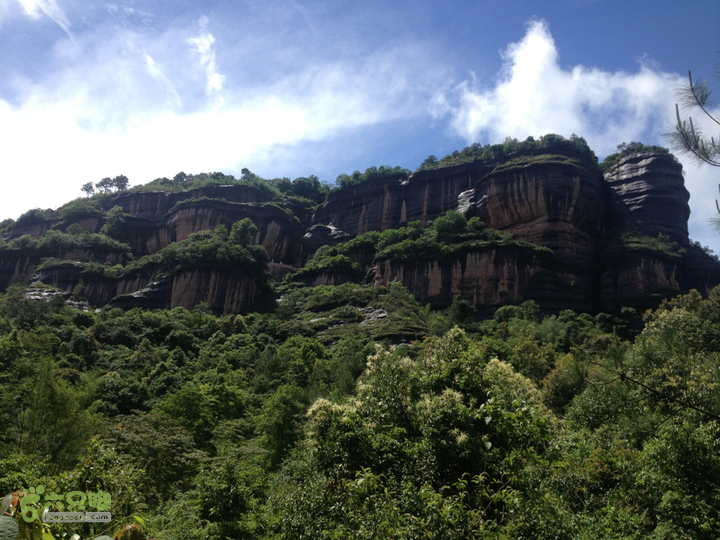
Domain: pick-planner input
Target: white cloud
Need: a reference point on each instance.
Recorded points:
(150, 106)
(51, 9)
(203, 47)
(534, 95)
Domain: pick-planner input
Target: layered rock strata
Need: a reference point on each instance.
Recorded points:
(381, 205)
(556, 201)
(648, 194)
(553, 201)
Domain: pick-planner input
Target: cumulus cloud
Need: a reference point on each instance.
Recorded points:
(534, 95)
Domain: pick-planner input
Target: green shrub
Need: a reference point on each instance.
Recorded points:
(626, 149)
(575, 148)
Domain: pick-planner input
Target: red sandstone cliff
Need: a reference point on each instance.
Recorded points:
(555, 201)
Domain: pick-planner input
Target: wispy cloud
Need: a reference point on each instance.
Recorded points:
(49, 8)
(151, 105)
(202, 45)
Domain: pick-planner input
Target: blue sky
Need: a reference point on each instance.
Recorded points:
(149, 88)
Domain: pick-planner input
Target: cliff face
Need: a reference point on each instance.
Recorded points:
(554, 205)
(158, 219)
(151, 287)
(648, 193)
(640, 279)
(550, 201)
(281, 236)
(597, 229)
(98, 288)
(153, 204)
(16, 267)
(224, 292)
(489, 278)
(379, 205)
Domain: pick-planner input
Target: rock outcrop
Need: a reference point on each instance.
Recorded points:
(153, 204)
(648, 194)
(279, 232)
(16, 267)
(487, 279)
(224, 291)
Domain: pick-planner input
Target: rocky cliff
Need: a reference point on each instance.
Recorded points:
(382, 205)
(487, 278)
(279, 232)
(648, 195)
(602, 232)
(591, 222)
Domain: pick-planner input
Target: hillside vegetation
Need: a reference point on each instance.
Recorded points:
(353, 411)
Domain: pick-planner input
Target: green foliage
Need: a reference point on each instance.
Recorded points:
(545, 159)
(79, 209)
(279, 422)
(661, 244)
(243, 232)
(56, 424)
(335, 417)
(212, 249)
(186, 182)
(325, 263)
(383, 173)
(627, 149)
(310, 188)
(554, 145)
(688, 137)
(167, 452)
(416, 427)
(35, 216)
(58, 244)
(115, 220)
(448, 235)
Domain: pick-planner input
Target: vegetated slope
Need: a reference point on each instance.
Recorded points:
(303, 423)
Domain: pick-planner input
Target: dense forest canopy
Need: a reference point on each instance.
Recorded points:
(308, 423)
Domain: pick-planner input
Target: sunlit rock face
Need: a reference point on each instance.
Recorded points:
(549, 204)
